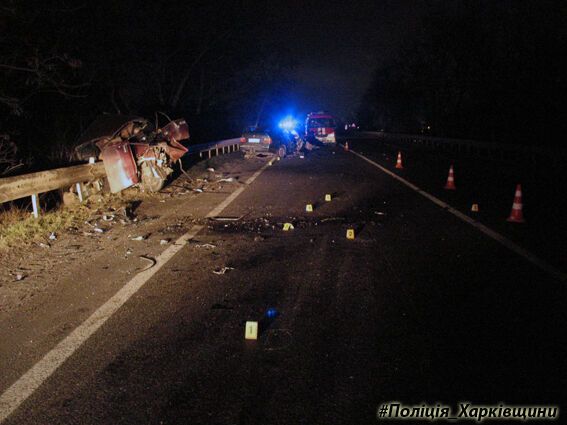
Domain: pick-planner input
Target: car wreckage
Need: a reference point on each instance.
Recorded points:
(133, 150)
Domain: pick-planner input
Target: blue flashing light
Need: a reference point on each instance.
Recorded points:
(271, 313)
(288, 123)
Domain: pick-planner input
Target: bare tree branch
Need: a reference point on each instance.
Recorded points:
(181, 86)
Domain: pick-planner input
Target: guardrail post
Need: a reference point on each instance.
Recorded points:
(216, 151)
(79, 192)
(35, 205)
(209, 153)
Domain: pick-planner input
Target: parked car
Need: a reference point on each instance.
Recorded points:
(263, 140)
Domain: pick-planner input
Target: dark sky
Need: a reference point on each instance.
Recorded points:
(338, 45)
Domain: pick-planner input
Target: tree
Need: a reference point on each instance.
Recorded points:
(485, 69)
(31, 64)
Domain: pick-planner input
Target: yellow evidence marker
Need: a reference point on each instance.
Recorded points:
(328, 197)
(309, 207)
(350, 234)
(251, 330)
(287, 226)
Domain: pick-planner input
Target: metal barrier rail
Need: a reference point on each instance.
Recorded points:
(497, 151)
(32, 184)
(231, 145)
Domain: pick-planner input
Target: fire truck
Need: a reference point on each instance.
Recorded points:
(321, 125)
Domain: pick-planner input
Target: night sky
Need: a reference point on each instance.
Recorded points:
(338, 44)
(484, 69)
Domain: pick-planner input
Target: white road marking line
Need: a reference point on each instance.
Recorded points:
(558, 274)
(30, 381)
(43, 369)
(220, 207)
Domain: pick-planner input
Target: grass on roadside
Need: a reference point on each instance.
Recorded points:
(19, 228)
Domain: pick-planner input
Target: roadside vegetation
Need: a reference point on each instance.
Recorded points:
(18, 227)
(56, 79)
(484, 70)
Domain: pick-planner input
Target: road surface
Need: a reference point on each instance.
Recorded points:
(419, 308)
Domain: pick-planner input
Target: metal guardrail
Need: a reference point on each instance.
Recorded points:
(32, 184)
(489, 150)
(231, 145)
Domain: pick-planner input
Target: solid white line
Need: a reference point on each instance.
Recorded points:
(43, 369)
(558, 274)
(220, 207)
(30, 381)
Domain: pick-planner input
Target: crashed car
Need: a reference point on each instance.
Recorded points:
(133, 150)
(263, 140)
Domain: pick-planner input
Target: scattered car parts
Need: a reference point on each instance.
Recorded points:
(133, 150)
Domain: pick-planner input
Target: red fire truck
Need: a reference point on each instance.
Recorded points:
(321, 125)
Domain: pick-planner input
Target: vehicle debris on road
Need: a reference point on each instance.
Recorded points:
(150, 260)
(134, 150)
(206, 245)
(324, 220)
(226, 218)
(222, 270)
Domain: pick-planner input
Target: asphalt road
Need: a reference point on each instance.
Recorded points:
(489, 183)
(419, 308)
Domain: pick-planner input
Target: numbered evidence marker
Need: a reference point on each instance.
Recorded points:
(328, 197)
(251, 330)
(309, 207)
(287, 226)
(350, 234)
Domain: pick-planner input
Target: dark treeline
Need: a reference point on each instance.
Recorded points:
(62, 63)
(484, 69)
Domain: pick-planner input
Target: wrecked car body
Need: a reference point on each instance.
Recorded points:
(133, 150)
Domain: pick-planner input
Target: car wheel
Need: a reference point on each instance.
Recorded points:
(282, 151)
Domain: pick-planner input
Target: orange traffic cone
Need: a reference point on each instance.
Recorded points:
(346, 146)
(450, 185)
(399, 161)
(516, 215)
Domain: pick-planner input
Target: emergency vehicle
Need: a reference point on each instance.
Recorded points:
(321, 125)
